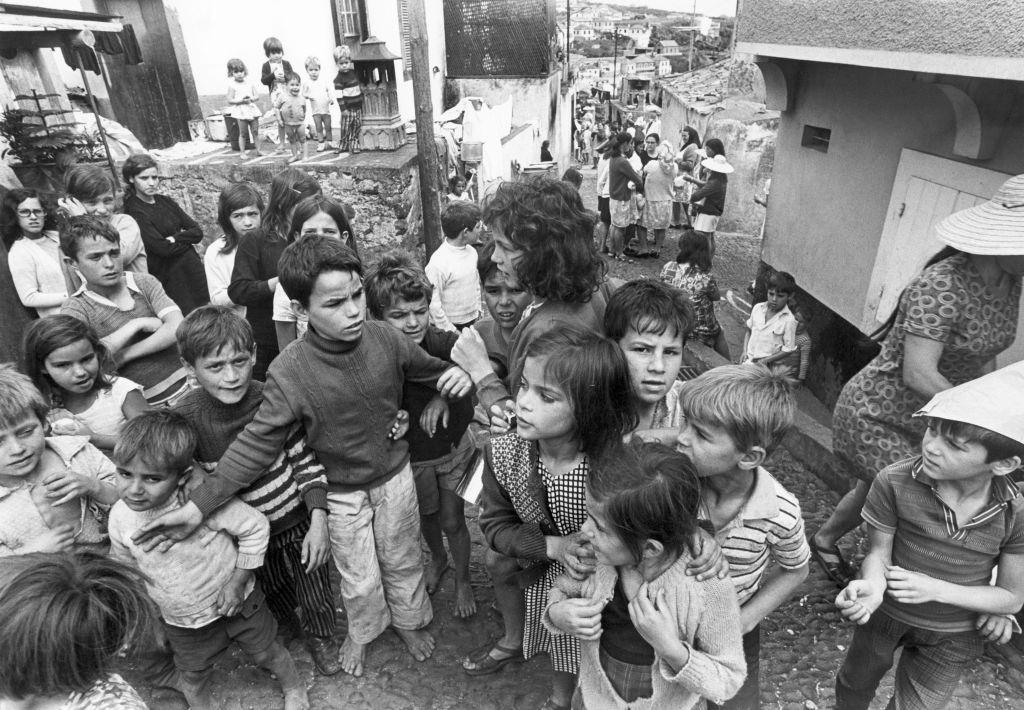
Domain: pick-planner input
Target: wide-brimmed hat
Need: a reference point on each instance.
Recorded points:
(717, 164)
(651, 108)
(992, 402)
(994, 228)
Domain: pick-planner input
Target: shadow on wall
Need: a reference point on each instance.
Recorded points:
(750, 149)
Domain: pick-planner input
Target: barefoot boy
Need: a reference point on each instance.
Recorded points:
(938, 524)
(343, 382)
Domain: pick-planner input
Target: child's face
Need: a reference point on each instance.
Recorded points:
(949, 459)
(245, 220)
(314, 72)
(324, 225)
(337, 306)
(776, 300)
(543, 410)
(275, 56)
(410, 317)
(147, 182)
(30, 217)
(294, 87)
(505, 303)
(144, 487)
(102, 206)
(711, 448)
(654, 362)
(460, 186)
(225, 374)
(100, 263)
(239, 75)
(599, 532)
(506, 254)
(73, 368)
(345, 65)
(21, 447)
(801, 322)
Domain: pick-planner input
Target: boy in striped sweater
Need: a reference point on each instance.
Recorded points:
(734, 416)
(218, 350)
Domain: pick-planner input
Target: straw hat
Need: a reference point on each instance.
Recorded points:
(717, 164)
(993, 402)
(994, 228)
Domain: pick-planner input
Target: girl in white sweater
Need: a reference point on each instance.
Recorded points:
(34, 257)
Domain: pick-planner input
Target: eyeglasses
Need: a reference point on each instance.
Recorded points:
(30, 213)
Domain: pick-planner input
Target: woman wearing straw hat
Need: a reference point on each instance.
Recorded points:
(711, 196)
(952, 320)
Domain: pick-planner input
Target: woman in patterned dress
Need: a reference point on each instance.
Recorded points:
(575, 399)
(951, 322)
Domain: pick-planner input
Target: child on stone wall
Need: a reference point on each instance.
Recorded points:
(291, 110)
(272, 76)
(317, 90)
(350, 100)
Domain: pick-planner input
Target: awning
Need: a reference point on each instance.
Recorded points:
(28, 27)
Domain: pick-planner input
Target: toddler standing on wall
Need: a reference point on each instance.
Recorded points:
(241, 95)
(350, 100)
(318, 91)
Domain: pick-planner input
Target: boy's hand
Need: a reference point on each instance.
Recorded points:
(911, 587)
(71, 206)
(470, 353)
(57, 539)
(436, 409)
(502, 418)
(710, 562)
(230, 599)
(401, 426)
(654, 620)
(316, 545)
(858, 601)
(454, 383)
(578, 617)
(994, 628)
(574, 554)
(65, 486)
(174, 525)
(149, 324)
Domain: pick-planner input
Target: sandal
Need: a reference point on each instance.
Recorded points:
(832, 563)
(483, 663)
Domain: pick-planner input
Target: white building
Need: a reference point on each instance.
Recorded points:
(669, 47)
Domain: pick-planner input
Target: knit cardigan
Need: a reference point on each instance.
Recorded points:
(708, 619)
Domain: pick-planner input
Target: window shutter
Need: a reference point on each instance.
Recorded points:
(403, 19)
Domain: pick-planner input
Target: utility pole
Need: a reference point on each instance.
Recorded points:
(693, 23)
(615, 60)
(425, 148)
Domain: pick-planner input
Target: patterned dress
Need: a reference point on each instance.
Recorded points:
(873, 424)
(110, 693)
(701, 287)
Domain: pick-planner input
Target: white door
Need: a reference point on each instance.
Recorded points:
(926, 190)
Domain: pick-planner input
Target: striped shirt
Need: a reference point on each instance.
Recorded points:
(928, 538)
(768, 527)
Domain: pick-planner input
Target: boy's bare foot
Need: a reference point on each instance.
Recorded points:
(433, 574)
(296, 699)
(465, 602)
(419, 642)
(352, 656)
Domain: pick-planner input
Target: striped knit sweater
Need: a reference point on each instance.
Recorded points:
(296, 476)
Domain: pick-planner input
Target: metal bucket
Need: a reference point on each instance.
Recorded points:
(216, 127)
(472, 152)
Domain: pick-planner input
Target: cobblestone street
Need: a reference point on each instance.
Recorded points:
(803, 642)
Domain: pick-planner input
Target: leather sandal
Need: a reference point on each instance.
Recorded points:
(481, 662)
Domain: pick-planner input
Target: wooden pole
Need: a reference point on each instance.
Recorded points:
(425, 148)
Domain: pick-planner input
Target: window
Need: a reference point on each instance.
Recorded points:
(346, 13)
(403, 21)
(816, 138)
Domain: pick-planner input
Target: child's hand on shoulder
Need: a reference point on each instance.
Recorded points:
(912, 587)
(435, 411)
(995, 628)
(710, 562)
(858, 601)
(579, 617)
(65, 485)
(454, 383)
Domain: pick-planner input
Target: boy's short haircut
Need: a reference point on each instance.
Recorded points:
(341, 53)
(648, 306)
(292, 76)
(997, 446)
(753, 404)
(87, 182)
(272, 44)
(206, 331)
(574, 177)
(782, 282)
(307, 257)
(19, 398)
(457, 216)
(395, 277)
(82, 227)
(161, 438)
(312, 63)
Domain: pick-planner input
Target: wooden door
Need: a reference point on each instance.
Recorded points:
(926, 190)
(149, 98)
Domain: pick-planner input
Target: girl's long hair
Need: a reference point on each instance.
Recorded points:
(694, 250)
(235, 197)
(9, 227)
(51, 333)
(134, 165)
(311, 206)
(287, 189)
(592, 372)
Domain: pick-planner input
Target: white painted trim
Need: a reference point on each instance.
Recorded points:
(1011, 68)
(11, 22)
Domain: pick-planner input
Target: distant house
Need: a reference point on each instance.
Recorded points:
(670, 48)
(662, 65)
(640, 65)
(893, 116)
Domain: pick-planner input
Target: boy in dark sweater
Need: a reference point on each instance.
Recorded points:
(343, 382)
(218, 350)
(398, 293)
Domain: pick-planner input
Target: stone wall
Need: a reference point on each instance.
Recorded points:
(374, 192)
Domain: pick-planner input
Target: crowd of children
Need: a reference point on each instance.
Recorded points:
(153, 472)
